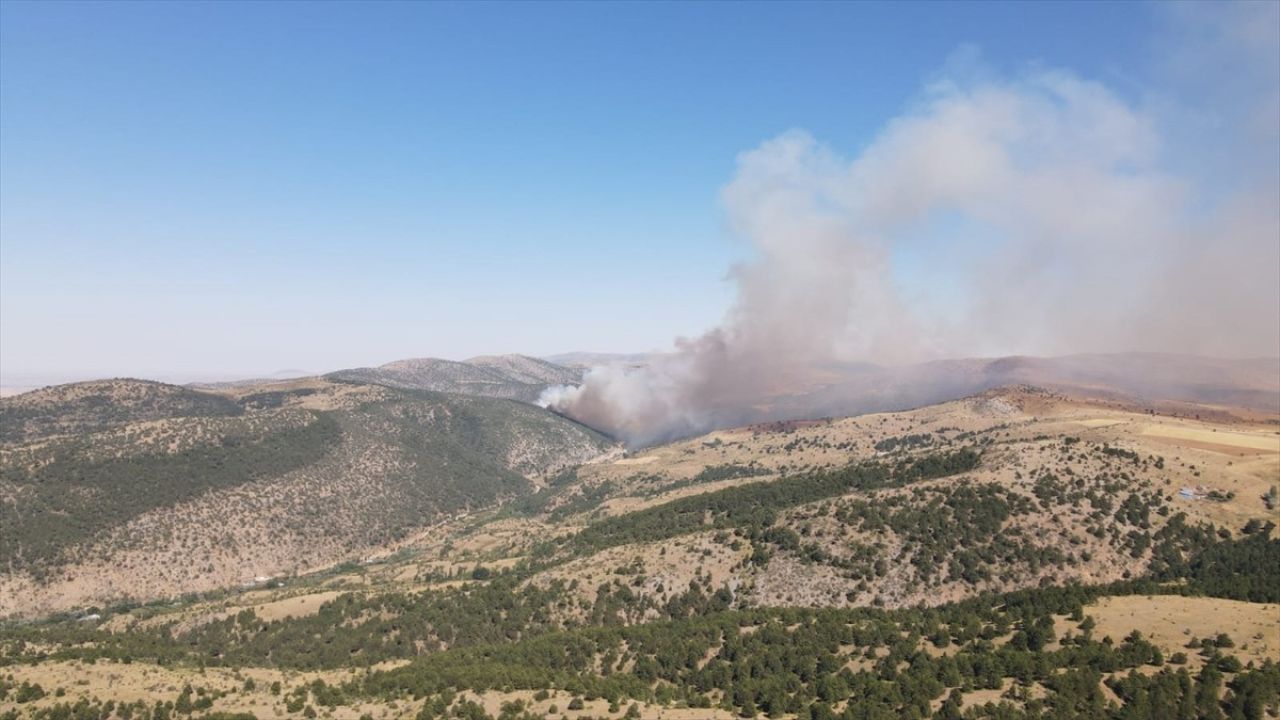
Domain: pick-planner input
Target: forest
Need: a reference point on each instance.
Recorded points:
(1037, 646)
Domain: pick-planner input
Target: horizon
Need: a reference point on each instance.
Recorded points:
(20, 383)
(227, 189)
(202, 193)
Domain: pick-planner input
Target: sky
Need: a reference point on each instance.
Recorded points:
(225, 189)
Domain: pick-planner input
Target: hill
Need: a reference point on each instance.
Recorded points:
(174, 490)
(93, 406)
(515, 377)
(1020, 553)
(1015, 554)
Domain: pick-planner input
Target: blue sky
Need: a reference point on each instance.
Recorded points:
(232, 188)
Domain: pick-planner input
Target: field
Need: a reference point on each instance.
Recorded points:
(1172, 621)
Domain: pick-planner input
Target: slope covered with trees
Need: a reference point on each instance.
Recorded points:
(181, 481)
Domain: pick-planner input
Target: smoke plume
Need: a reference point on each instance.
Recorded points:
(1041, 215)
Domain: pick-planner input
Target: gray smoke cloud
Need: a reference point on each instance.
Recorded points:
(1039, 215)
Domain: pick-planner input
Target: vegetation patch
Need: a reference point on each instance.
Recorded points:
(68, 500)
(756, 504)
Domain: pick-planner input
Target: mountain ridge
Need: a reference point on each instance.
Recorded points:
(512, 376)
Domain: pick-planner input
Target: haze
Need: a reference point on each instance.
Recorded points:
(316, 187)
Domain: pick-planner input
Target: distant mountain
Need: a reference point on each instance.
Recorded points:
(533, 371)
(852, 388)
(1251, 383)
(18, 383)
(515, 377)
(587, 360)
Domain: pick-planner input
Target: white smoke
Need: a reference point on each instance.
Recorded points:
(1042, 208)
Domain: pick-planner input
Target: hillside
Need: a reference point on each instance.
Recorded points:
(1015, 554)
(1056, 477)
(515, 377)
(176, 491)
